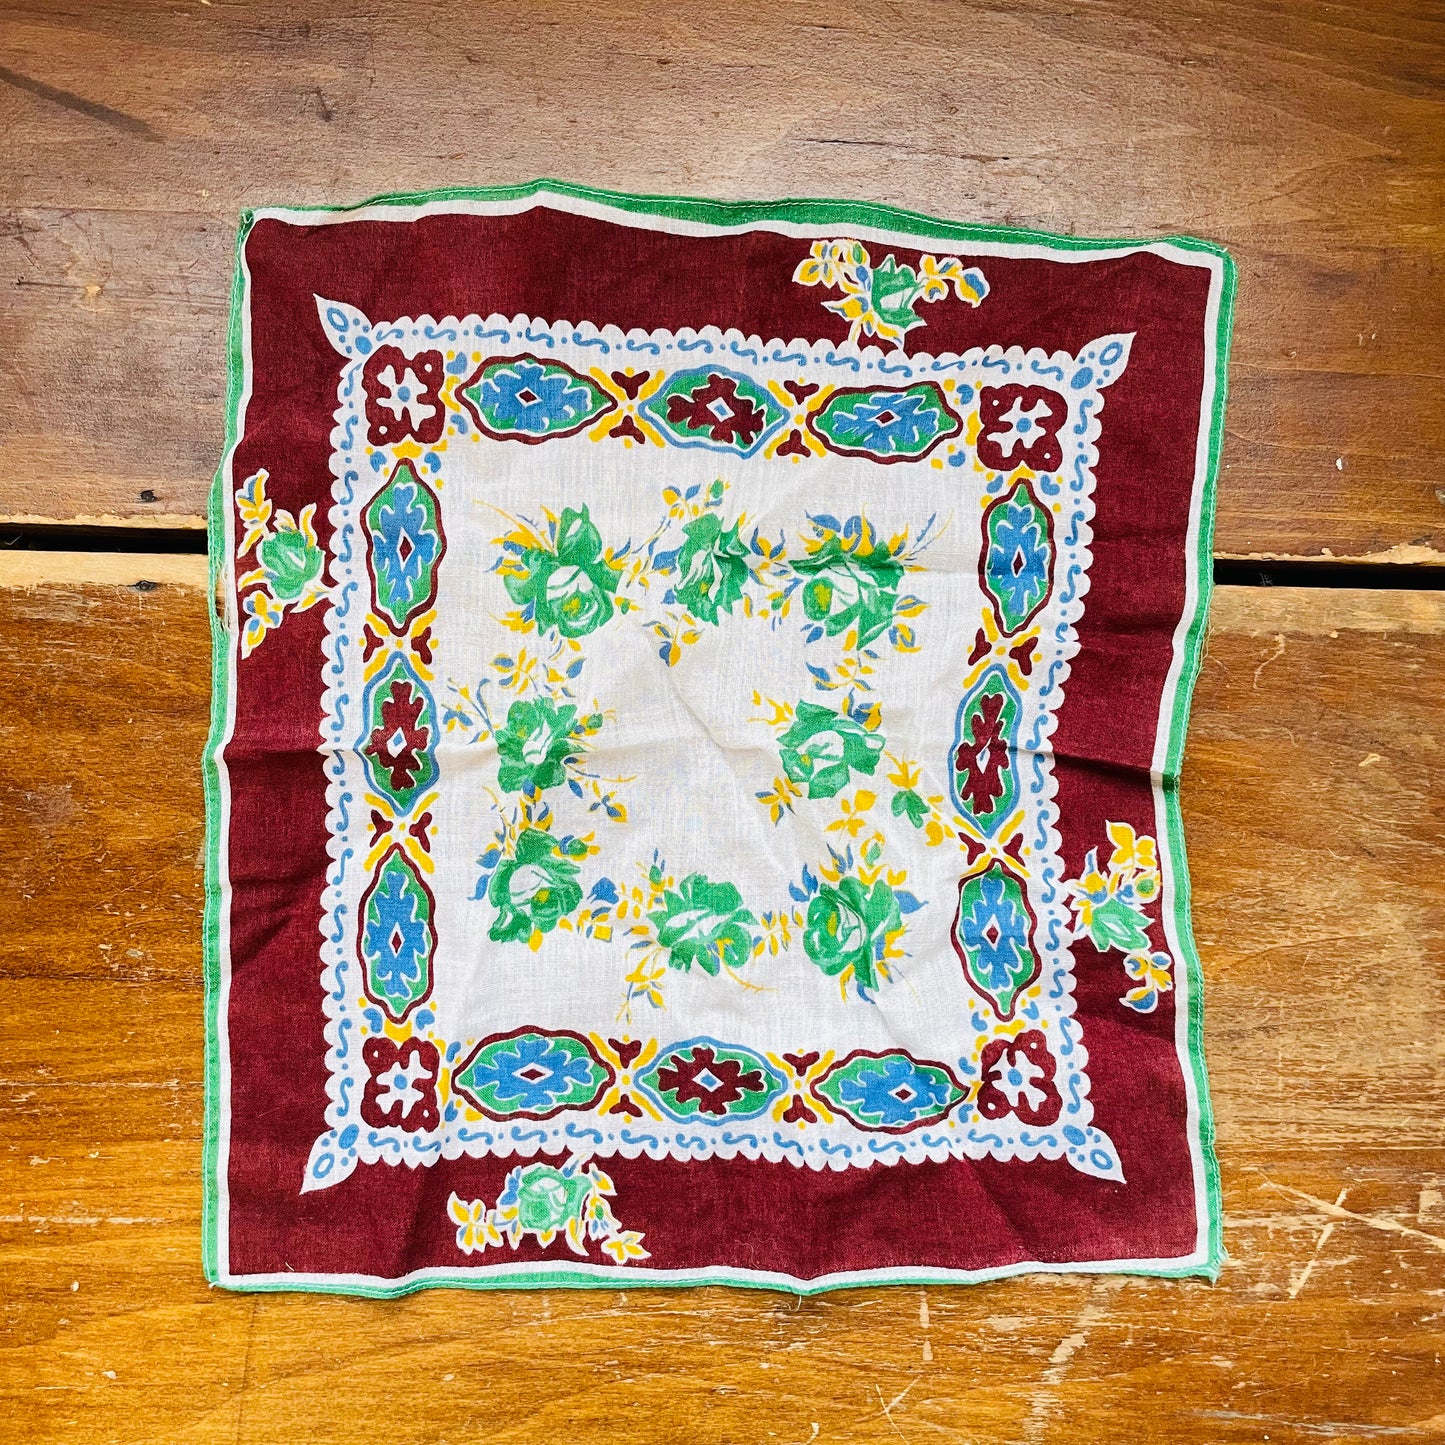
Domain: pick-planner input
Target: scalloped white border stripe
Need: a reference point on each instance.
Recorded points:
(348, 1141)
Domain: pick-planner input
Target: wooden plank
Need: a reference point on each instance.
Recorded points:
(1314, 825)
(1309, 140)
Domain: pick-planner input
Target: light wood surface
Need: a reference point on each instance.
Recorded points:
(1308, 137)
(1314, 819)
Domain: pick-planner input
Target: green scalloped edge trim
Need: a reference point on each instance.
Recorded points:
(720, 213)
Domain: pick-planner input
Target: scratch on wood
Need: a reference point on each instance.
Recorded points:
(1044, 1401)
(888, 1407)
(1278, 652)
(1320, 1243)
(1375, 1221)
(131, 124)
(1313, 1427)
(246, 1366)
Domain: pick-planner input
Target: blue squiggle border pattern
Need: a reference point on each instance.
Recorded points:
(1074, 1137)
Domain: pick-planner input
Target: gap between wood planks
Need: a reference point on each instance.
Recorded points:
(186, 537)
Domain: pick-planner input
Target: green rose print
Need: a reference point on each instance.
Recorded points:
(908, 803)
(894, 291)
(536, 744)
(570, 589)
(847, 927)
(547, 1198)
(705, 924)
(534, 889)
(1115, 924)
(822, 747)
(843, 589)
(713, 568)
(291, 561)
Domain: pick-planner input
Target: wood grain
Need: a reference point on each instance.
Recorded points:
(1309, 138)
(1315, 829)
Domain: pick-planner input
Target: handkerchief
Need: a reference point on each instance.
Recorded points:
(692, 795)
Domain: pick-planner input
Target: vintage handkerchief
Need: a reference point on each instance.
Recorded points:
(699, 691)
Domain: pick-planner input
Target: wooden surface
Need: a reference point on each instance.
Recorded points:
(1308, 137)
(1314, 818)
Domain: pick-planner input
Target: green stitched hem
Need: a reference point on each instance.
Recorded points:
(800, 211)
(222, 651)
(565, 1276)
(1194, 647)
(717, 213)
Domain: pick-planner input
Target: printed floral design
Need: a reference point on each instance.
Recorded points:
(705, 1078)
(1109, 911)
(1019, 427)
(850, 925)
(399, 743)
(543, 1202)
(824, 748)
(720, 410)
(536, 745)
(891, 1092)
(397, 936)
(401, 1084)
(880, 301)
(523, 399)
(1016, 1076)
(708, 573)
(985, 780)
(713, 568)
(707, 569)
(1016, 569)
(405, 543)
(287, 577)
(1154, 976)
(543, 737)
(403, 396)
(886, 425)
(981, 759)
(564, 580)
(850, 582)
(704, 923)
(528, 715)
(677, 925)
(535, 888)
(716, 408)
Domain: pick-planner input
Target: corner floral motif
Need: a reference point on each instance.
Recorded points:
(1109, 910)
(401, 1088)
(403, 396)
(880, 300)
(542, 1201)
(1019, 427)
(1016, 1076)
(290, 562)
